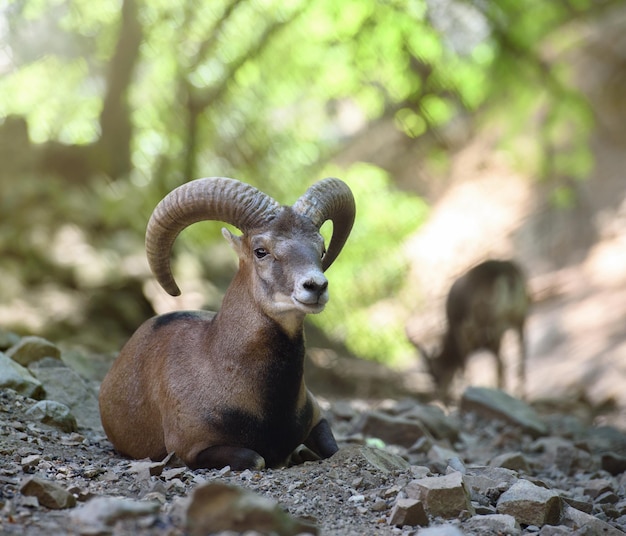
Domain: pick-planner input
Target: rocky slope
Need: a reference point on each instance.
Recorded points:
(494, 465)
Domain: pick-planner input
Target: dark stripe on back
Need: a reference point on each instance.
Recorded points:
(168, 318)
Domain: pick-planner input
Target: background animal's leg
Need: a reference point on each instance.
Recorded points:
(499, 365)
(321, 440)
(239, 458)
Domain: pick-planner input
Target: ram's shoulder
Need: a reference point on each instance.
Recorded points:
(168, 319)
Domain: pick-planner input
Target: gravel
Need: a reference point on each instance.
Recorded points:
(56, 482)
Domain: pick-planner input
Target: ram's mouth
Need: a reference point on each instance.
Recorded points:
(310, 307)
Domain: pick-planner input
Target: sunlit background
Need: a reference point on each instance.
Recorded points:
(466, 129)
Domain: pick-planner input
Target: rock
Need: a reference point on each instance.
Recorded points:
(8, 339)
(147, 468)
(608, 497)
(89, 365)
(219, 507)
(441, 530)
(456, 464)
(379, 459)
(557, 530)
(597, 486)
(100, 514)
(607, 439)
(576, 519)
(583, 506)
(563, 454)
(392, 430)
(493, 403)
(419, 471)
(408, 512)
(359, 490)
(175, 472)
(434, 420)
(493, 524)
(48, 493)
(15, 376)
(344, 411)
(30, 349)
(437, 453)
(64, 385)
(444, 496)
(515, 461)
(613, 463)
(28, 462)
(489, 481)
(530, 504)
(480, 508)
(54, 414)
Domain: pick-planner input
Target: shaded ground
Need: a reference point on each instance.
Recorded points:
(353, 493)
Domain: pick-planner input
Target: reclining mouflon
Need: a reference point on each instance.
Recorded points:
(227, 388)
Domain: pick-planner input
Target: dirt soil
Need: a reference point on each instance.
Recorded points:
(348, 494)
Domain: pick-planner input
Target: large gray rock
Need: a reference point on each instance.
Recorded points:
(443, 496)
(392, 430)
(530, 504)
(606, 439)
(408, 512)
(613, 463)
(575, 519)
(15, 376)
(8, 339)
(441, 454)
(489, 481)
(48, 493)
(563, 454)
(364, 457)
(53, 413)
(434, 420)
(441, 530)
(515, 461)
(218, 507)
(597, 486)
(492, 524)
(100, 514)
(493, 403)
(64, 385)
(30, 349)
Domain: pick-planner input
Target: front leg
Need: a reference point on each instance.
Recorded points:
(239, 458)
(321, 440)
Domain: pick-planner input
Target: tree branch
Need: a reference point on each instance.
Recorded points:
(115, 121)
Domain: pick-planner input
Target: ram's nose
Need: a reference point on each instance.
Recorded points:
(313, 290)
(316, 286)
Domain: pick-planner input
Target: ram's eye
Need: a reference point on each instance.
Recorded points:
(260, 253)
(323, 253)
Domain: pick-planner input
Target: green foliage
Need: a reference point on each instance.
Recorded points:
(372, 266)
(270, 92)
(531, 87)
(50, 114)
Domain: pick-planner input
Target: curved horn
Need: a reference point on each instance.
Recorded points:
(329, 199)
(213, 198)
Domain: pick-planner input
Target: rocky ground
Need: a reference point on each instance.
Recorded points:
(491, 466)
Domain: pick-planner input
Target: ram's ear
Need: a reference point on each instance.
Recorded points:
(235, 241)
